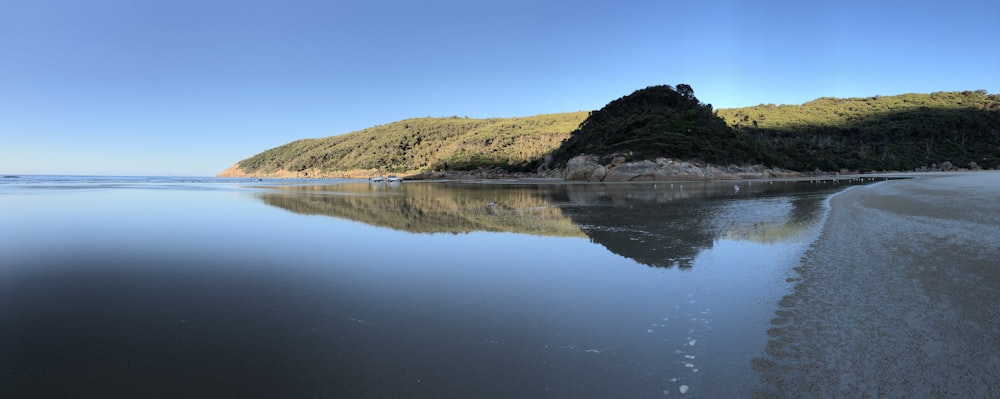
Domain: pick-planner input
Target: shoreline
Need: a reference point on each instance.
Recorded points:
(477, 178)
(898, 296)
(498, 175)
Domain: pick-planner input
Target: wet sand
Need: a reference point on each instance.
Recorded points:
(899, 296)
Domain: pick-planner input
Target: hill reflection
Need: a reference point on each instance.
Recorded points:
(669, 225)
(664, 225)
(429, 208)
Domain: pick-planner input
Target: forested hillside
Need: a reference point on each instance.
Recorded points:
(422, 144)
(657, 121)
(879, 133)
(901, 132)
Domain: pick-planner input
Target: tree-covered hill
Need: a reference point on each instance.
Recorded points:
(657, 121)
(419, 145)
(902, 132)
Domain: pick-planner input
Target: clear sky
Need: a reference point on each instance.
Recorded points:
(190, 87)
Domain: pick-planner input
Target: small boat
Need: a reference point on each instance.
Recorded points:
(394, 179)
(377, 179)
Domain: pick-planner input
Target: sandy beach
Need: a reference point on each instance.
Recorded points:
(898, 297)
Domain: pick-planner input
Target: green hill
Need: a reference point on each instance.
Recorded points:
(418, 145)
(657, 121)
(903, 132)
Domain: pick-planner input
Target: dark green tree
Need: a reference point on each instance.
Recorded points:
(657, 121)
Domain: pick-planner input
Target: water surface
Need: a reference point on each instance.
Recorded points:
(170, 287)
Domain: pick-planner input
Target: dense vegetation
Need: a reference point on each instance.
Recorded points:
(423, 144)
(903, 132)
(657, 121)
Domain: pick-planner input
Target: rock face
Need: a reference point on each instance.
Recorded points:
(629, 171)
(586, 167)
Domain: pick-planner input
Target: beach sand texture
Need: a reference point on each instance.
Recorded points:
(898, 297)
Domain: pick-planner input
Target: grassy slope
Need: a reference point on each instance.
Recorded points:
(877, 133)
(422, 144)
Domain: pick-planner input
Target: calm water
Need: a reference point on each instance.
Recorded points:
(172, 287)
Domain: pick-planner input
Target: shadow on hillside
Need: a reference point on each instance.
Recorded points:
(900, 140)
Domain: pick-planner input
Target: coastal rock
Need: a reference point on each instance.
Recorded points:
(586, 167)
(581, 168)
(618, 160)
(600, 173)
(642, 170)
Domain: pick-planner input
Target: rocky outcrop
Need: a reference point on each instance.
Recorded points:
(584, 168)
(947, 166)
(613, 168)
(629, 171)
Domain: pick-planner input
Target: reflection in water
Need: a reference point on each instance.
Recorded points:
(668, 226)
(661, 225)
(429, 208)
(693, 333)
(177, 290)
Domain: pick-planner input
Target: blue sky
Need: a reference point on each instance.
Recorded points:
(179, 87)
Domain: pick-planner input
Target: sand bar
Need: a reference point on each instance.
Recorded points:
(898, 297)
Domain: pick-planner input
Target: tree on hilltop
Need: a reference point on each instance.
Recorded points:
(658, 121)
